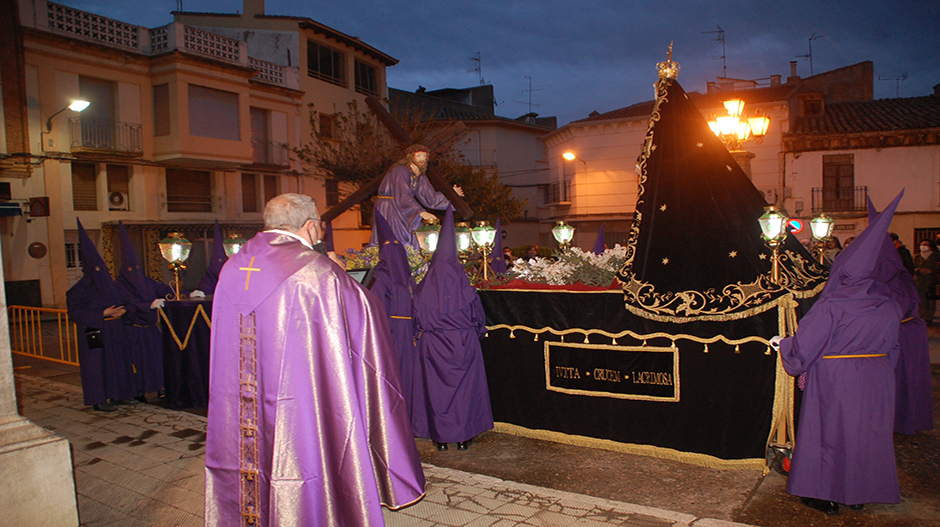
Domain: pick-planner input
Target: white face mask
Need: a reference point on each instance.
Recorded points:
(925, 249)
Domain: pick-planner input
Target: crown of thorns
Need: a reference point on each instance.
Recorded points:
(416, 148)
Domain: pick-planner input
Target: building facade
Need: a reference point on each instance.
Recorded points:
(186, 126)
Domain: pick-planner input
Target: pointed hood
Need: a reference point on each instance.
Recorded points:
(599, 242)
(853, 276)
(393, 259)
(445, 287)
(216, 261)
(94, 270)
(131, 272)
(695, 250)
(890, 270)
(498, 264)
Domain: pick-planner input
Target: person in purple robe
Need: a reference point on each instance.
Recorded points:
(95, 304)
(449, 322)
(394, 286)
(847, 344)
(216, 261)
(403, 191)
(142, 296)
(306, 422)
(599, 245)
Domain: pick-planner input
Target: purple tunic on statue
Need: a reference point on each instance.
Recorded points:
(399, 201)
(449, 323)
(145, 342)
(394, 287)
(307, 424)
(848, 344)
(106, 372)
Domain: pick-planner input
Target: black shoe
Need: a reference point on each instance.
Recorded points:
(128, 402)
(463, 445)
(857, 507)
(830, 508)
(141, 398)
(440, 446)
(105, 407)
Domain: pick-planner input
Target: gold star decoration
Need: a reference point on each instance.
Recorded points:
(700, 144)
(665, 261)
(732, 254)
(653, 147)
(663, 208)
(763, 256)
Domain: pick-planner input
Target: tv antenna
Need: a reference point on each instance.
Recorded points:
(897, 81)
(810, 55)
(529, 91)
(477, 60)
(720, 38)
(179, 5)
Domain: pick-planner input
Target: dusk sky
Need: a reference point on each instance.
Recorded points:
(601, 55)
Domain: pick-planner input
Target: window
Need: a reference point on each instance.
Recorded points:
(365, 79)
(839, 182)
(326, 126)
(326, 64)
(332, 192)
(250, 193)
(84, 186)
(118, 187)
(188, 190)
(260, 146)
(270, 188)
(161, 110)
(213, 113)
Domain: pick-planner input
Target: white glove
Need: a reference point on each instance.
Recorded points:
(157, 303)
(775, 342)
(197, 294)
(425, 215)
(458, 190)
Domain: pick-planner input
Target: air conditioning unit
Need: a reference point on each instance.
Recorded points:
(117, 201)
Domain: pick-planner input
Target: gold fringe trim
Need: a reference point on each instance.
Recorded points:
(782, 422)
(598, 292)
(192, 323)
(627, 333)
(631, 448)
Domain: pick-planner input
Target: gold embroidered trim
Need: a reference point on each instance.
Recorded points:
(249, 496)
(631, 448)
(192, 323)
(401, 318)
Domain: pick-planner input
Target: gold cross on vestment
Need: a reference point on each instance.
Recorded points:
(250, 268)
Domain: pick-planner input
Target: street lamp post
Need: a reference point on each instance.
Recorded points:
(734, 129)
(773, 225)
(822, 229)
(483, 237)
(175, 250)
(563, 234)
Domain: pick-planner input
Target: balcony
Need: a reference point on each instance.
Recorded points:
(845, 199)
(98, 135)
(269, 153)
(557, 193)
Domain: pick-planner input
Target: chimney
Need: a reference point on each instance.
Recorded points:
(793, 76)
(774, 81)
(712, 87)
(253, 7)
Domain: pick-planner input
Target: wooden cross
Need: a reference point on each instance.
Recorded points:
(437, 181)
(250, 268)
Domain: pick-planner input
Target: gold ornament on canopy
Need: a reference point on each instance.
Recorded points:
(668, 69)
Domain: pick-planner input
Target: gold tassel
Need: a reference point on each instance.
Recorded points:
(644, 343)
(562, 337)
(706, 348)
(586, 341)
(737, 348)
(536, 337)
(768, 351)
(512, 333)
(614, 341)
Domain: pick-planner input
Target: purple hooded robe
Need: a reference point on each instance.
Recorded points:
(399, 201)
(145, 342)
(307, 424)
(449, 323)
(394, 287)
(599, 242)
(848, 344)
(913, 408)
(216, 261)
(106, 372)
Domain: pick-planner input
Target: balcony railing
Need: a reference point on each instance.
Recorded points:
(557, 192)
(269, 153)
(845, 199)
(99, 134)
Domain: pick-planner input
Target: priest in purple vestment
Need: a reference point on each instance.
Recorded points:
(449, 323)
(848, 345)
(96, 304)
(394, 286)
(403, 191)
(307, 423)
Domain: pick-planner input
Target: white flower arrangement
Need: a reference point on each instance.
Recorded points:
(574, 266)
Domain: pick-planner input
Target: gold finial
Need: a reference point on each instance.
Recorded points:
(668, 69)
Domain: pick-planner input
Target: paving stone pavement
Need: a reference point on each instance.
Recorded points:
(143, 465)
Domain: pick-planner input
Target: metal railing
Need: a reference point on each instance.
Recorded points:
(845, 199)
(99, 134)
(269, 152)
(43, 333)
